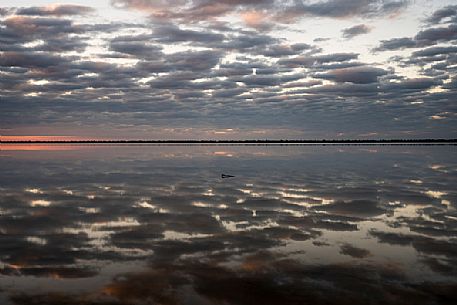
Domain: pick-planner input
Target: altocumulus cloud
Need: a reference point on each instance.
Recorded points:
(206, 65)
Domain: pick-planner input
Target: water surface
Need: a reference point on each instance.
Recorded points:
(297, 225)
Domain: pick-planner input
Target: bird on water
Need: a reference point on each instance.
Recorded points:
(226, 176)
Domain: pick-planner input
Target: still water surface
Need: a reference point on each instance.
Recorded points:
(296, 225)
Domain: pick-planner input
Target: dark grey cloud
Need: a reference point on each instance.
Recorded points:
(197, 61)
(136, 48)
(31, 60)
(356, 75)
(309, 61)
(343, 9)
(194, 61)
(447, 13)
(56, 10)
(434, 35)
(36, 26)
(395, 44)
(355, 30)
(169, 33)
(249, 40)
(412, 84)
(349, 8)
(278, 50)
(434, 51)
(243, 42)
(302, 84)
(265, 80)
(228, 92)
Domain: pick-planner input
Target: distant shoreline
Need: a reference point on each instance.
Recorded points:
(251, 142)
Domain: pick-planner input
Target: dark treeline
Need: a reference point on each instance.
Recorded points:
(282, 141)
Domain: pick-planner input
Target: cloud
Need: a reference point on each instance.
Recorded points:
(31, 60)
(426, 37)
(446, 33)
(443, 15)
(4, 11)
(265, 80)
(348, 8)
(192, 11)
(136, 48)
(39, 26)
(249, 41)
(433, 51)
(56, 10)
(355, 30)
(169, 33)
(260, 14)
(45, 34)
(281, 50)
(256, 19)
(211, 71)
(435, 35)
(197, 61)
(309, 61)
(412, 84)
(356, 75)
(395, 44)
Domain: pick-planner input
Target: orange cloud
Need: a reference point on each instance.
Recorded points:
(254, 19)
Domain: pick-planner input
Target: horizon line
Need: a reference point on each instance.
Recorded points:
(250, 141)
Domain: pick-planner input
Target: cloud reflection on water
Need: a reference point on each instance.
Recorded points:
(156, 224)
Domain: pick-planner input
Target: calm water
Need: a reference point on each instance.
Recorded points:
(297, 225)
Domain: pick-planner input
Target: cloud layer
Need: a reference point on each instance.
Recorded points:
(226, 65)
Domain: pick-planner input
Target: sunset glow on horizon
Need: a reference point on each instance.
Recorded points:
(42, 138)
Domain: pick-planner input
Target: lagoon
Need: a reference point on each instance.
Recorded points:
(156, 224)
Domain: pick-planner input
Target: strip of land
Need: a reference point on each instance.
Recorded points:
(248, 142)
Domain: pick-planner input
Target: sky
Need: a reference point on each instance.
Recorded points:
(228, 69)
